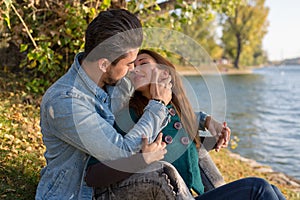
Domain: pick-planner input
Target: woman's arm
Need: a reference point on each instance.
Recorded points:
(201, 118)
(109, 172)
(219, 131)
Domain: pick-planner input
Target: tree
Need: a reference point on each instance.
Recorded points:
(204, 32)
(49, 33)
(244, 31)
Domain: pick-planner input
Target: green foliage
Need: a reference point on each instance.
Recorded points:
(50, 33)
(243, 33)
(176, 13)
(57, 29)
(204, 32)
(195, 19)
(5, 8)
(226, 7)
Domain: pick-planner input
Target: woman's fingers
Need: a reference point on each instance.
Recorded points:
(219, 143)
(154, 75)
(160, 89)
(223, 137)
(228, 133)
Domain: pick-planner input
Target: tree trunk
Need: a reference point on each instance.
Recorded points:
(238, 51)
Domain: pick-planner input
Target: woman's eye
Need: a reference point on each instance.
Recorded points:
(144, 63)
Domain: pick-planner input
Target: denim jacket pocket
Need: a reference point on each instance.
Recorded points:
(56, 185)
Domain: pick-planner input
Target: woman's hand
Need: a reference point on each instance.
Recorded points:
(155, 151)
(220, 131)
(160, 89)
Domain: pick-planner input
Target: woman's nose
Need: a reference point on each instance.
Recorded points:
(136, 68)
(133, 71)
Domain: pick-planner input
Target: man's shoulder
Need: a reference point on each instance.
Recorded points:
(61, 89)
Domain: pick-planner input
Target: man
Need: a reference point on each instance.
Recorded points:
(76, 120)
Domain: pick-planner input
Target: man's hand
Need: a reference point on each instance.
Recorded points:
(160, 89)
(155, 151)
(220, 131)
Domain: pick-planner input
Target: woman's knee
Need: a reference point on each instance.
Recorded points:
(258, 181)
(263, 186)
(259, 184)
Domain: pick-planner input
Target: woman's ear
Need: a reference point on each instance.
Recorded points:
(103, 64)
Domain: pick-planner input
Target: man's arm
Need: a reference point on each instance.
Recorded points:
(102, 174)
(86, 130)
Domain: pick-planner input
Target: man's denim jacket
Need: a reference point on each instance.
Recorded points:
(77, 121)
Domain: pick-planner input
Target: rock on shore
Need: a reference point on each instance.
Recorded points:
(277, 177)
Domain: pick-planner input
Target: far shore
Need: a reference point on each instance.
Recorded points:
(223, 71)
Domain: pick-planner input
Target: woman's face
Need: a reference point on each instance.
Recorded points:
(141, 75)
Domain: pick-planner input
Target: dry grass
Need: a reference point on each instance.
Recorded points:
(233, 169)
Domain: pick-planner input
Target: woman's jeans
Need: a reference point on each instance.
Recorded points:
(244, 189)
(161, 181)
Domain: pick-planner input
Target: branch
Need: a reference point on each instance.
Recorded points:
(25, 26)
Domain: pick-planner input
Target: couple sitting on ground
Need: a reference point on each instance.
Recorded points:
(77, 121)
(180, 136)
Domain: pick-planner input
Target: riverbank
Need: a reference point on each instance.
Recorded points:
(192, 71)
(233, 166)
(21, 148)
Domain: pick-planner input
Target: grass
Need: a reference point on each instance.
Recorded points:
(21, 148)
(233, 169)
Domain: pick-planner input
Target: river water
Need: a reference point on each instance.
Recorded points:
(262, 109)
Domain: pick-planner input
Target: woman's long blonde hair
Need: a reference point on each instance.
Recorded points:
(179, 98)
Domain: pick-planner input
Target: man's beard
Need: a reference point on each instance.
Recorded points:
(111, 81)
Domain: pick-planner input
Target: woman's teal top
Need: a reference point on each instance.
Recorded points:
(182, 151)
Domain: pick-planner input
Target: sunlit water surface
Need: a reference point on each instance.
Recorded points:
(262, 109)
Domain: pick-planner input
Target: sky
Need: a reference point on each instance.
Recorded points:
(283, 38)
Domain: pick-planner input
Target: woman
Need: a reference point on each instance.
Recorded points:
(180, 134)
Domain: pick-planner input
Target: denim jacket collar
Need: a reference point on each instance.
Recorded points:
(99, 92)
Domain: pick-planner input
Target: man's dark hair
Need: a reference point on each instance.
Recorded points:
(111, 34)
